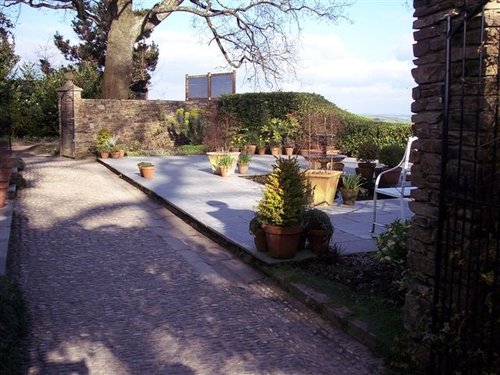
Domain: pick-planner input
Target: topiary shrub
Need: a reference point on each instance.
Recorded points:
(391, 155)
(286, 195)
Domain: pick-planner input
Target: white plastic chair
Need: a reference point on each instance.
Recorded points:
(403, 188)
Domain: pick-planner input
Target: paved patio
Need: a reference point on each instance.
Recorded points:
(225, 206)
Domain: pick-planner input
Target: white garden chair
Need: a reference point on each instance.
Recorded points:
(401, 190)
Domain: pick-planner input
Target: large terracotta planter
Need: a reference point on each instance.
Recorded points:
(283, 242)
(324, 183)
(366, 171)
(319, 240)
(213, 158)
(389, 179)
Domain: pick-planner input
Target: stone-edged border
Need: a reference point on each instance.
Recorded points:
(339, 316)
(6, 214)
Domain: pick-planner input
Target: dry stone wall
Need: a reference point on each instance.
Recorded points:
(129, 120)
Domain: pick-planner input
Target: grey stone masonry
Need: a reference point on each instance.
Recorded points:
(429, 74)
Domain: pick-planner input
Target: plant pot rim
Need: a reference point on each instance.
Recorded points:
(276, 229)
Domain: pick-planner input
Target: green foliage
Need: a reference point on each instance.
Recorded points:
(254, 225)
(244, 158)
(91, 25)
(220, 128)
(187, 127)
(353, 182)
(102, 139)
(8, 61)
(286, 195)
(33, 99)
(225, 160)
(391, 155)
(358, 130)
(367, 152)
(391, 243)
(191, 150)
(317, 219)
(314, 114)
(12, 326)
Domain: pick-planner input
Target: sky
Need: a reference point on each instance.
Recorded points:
(362, 65)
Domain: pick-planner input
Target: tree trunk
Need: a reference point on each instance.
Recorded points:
(123, 33)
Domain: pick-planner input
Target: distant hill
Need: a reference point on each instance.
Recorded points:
(389, 118)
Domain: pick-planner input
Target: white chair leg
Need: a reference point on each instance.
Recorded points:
(374, 219)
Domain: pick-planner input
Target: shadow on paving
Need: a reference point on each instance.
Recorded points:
(117, 298)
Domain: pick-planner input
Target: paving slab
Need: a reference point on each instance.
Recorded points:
(226, 205)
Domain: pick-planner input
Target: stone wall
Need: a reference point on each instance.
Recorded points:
(428, 106)
(129, 120)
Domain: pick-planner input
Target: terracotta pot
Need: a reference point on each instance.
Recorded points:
(275, 151)
(115, 154)
(122, 153)
(289, 151)
(319, 240)
(3, 197)
(349, 196)
(251, 149)
(104, 154)
(389, 179)
(366, 171)
(283, 242)
(243, 168)
(5, 173)
(261, 150)
(260, 241)
(148, 172)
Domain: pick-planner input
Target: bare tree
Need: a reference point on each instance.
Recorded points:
(254, 33)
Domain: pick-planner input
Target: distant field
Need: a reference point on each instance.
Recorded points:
(389, 118)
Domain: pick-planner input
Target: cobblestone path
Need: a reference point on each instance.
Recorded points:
(116, 284)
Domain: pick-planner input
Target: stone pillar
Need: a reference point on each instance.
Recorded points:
(428, 119)
(69, 96)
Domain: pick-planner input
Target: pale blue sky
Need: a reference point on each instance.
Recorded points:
(363, 66)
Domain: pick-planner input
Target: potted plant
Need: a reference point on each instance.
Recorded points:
(122, 148)
(352, 184)
(274, 132)
(367, 154)
(103, 151)
(259, 236)
(261, 145)
(289, 146)
(251, 142)
(319, 230)
(281, 210)
(390, 156)
(146, 169)
(225, 163)
(243, 163)
(102, 143)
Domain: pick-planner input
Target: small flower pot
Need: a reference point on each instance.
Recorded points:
(147, 172)
(103, 154)
(275, 151)
(243, 168)
(349, 196)
(289, 151)
(251, 149)
(261, 150)
(319, 240)
(260, 241)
